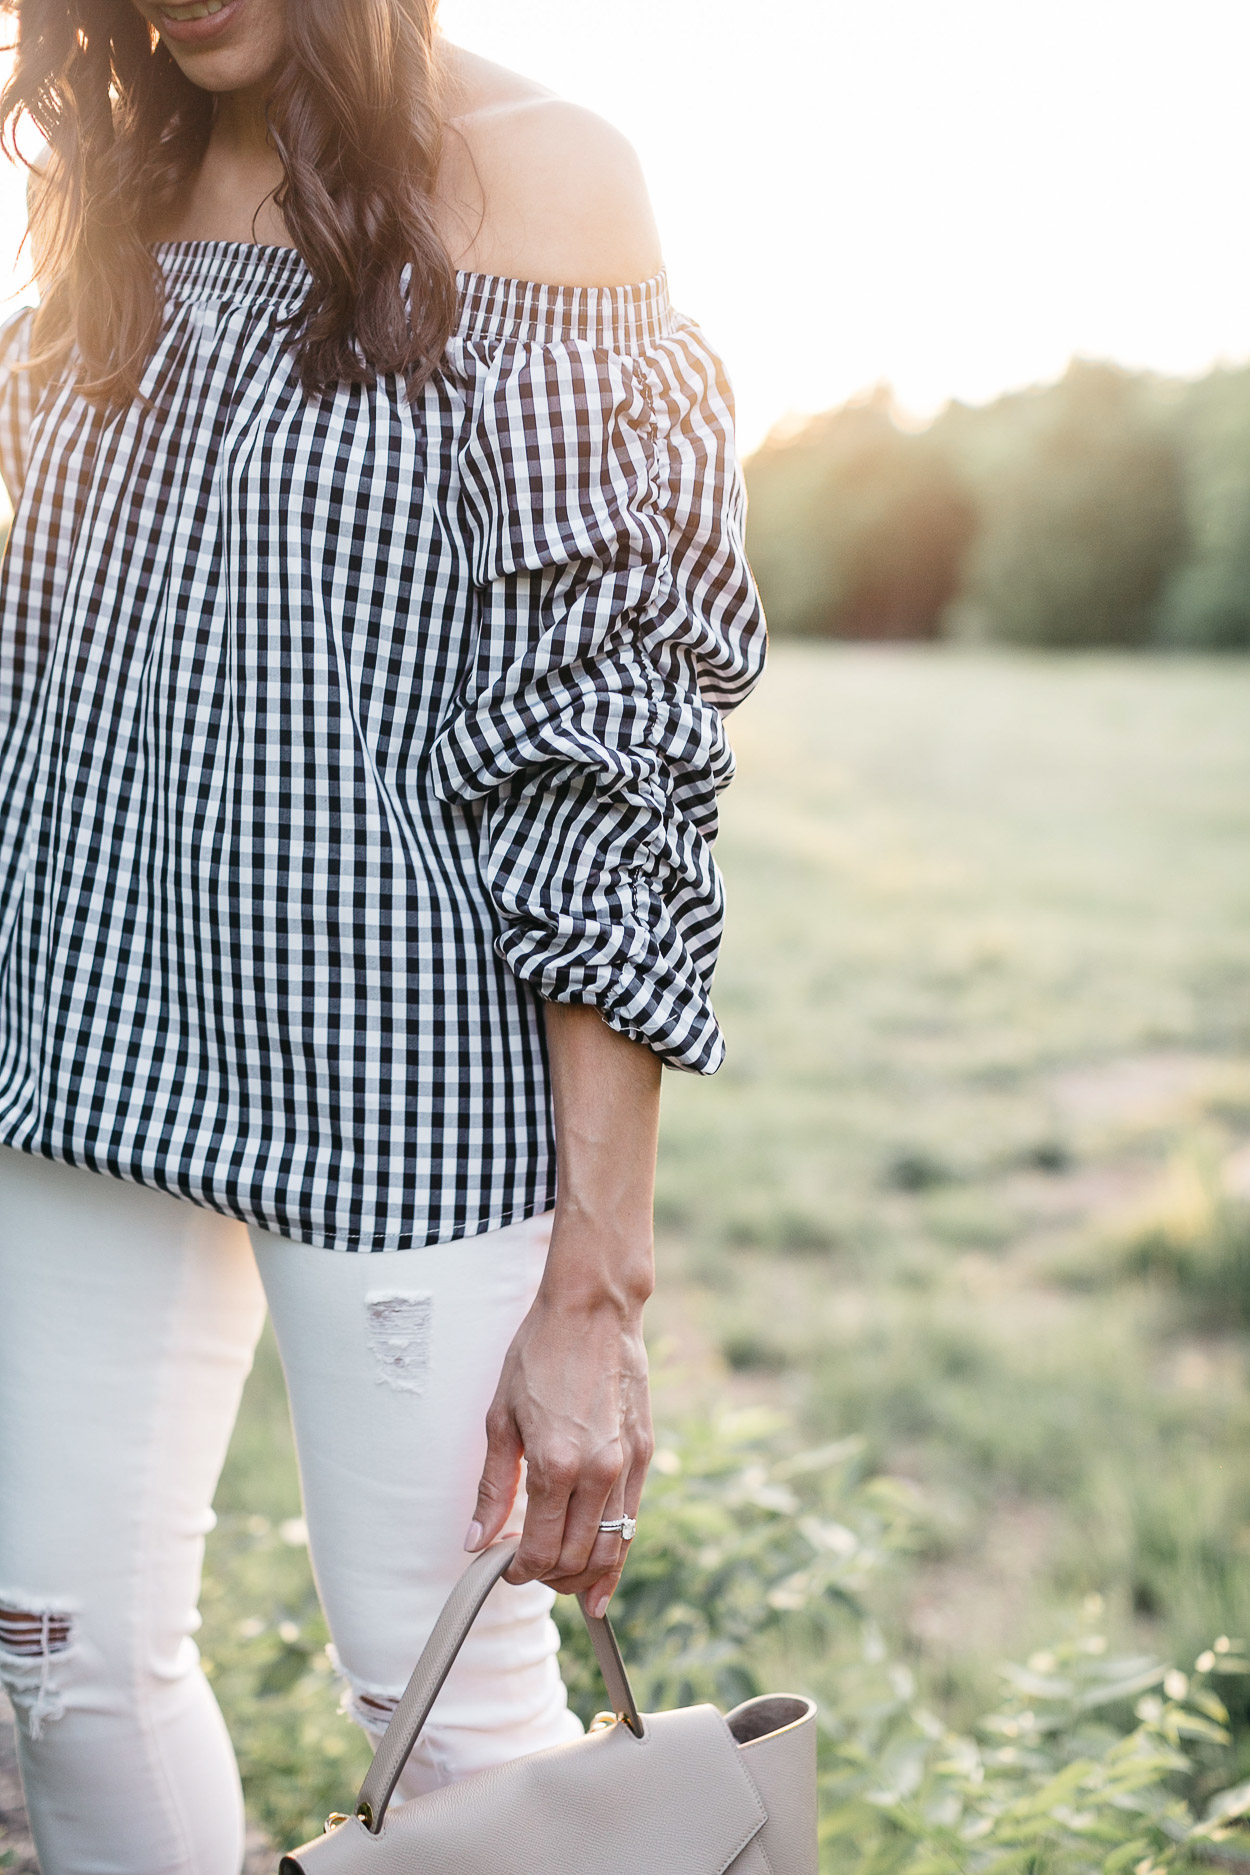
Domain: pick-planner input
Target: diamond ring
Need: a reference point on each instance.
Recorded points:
(624, 1527)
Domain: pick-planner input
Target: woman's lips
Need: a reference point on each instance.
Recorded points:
(198, 21)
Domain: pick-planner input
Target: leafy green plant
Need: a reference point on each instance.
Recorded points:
(752, 1556)
(740, 1542)
(1090, 1763)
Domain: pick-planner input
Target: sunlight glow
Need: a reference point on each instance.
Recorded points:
(952, 198)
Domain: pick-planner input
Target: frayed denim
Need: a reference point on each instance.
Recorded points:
(129, 1323)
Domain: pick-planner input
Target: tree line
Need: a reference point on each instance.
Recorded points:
(1111, 508)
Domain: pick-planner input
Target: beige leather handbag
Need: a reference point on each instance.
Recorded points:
(665, 1793)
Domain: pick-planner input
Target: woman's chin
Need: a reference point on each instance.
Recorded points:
(234, 48)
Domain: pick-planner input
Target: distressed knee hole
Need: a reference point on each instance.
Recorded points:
(399, 1324)
(31, 1637)
(367, 1705)
(24, 1633)
(373, 1711)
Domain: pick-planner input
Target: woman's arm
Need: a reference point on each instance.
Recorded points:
(618, 619)
(573, 1397)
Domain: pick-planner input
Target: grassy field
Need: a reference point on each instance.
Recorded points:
(974, 1185)
(971, 1182)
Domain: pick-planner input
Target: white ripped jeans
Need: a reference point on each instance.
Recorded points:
(129, 1320)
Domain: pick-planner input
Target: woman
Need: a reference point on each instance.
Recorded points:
(367, 621)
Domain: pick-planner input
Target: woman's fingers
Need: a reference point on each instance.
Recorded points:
(563, 1544)
(550, 1483)
(609, 1551)
(600, 1591)
(599, 1483)
(607, 1558)
(589, 1551)
(501, 1474)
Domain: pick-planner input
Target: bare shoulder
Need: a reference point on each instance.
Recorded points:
(536, 188)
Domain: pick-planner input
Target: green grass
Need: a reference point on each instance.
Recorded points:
(959, 1187)
(968, 1187)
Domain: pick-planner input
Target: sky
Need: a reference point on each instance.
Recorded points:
(953, 198)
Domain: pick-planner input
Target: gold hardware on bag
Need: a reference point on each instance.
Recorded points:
(334, 1819)
(602, 1721)
(365, 1812)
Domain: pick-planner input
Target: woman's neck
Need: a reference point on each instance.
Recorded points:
(230, 197)
(240, 123)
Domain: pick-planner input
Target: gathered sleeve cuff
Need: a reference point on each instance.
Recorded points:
(617, 623)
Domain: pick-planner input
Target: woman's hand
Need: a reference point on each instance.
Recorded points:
(573, 1399)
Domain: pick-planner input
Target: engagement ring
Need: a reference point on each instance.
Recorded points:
(625, 1527)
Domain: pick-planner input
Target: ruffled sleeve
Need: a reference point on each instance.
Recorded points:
(617, 622)
(17, 399)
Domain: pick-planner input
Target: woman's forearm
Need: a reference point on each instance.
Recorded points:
(573, 1399)
(606, 1092)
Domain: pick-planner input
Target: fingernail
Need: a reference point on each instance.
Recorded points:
(474, 1538)
(599, 1607)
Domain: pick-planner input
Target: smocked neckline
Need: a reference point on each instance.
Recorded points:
(492, 306)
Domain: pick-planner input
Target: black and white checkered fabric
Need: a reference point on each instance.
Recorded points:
(337, 732)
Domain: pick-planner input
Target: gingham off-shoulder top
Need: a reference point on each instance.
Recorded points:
(337, 732)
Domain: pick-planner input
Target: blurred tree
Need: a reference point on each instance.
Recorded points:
(1081, 498)
(1206, 605)
(857, 529)
(1111, 508)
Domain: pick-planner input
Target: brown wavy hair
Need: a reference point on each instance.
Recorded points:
(355, 116)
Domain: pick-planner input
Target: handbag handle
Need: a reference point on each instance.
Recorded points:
(438, 1656)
